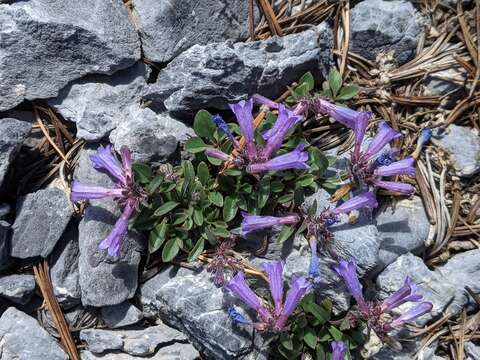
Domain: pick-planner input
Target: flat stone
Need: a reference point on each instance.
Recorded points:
(17, 288)
(190, 302)
(65, 40)
(24, 339)
(215, 74)
(134, 342)
(42, 217)
(403, 227)
(151, 137)
(12, 134)
(463, 145)
(104, 281)
(97, 103)
(380, 26)
(5, 260)
(64, 268)
(169, 28)
(121, 315)
(472, 351)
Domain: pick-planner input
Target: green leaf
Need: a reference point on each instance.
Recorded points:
(203, 124)
(320, 352)
(336, 334)
(195, 145)
(285, 233)
(198, 217)
(285, 198)
(229, 208)
(197, 250)
(334, 82)
(143, 173)
(319, 160)
(189, 176)
(263, 192)
(170, 250)
(220, 231)
(300, 91)
(305, 180)
(203, 173)
(216, 198)
(308, 79)
(310, 338)
(214, 161)
(316, 310)
(154, 184)
(347, 92)
(157, 236)
(165, 208)
(210, 236)
(232, 172)
(287, 343)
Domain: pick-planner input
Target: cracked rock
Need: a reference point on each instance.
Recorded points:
(121, 315)
(18, 288)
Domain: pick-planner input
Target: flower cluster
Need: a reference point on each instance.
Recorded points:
(252, 157)
(271, 318)
(339, 349)
(378, 315)
(126, 192)
(222, 258)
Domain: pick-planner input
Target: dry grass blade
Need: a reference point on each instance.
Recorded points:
(47, 135)
(43, 280)
(271, 18)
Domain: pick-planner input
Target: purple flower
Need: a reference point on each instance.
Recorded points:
(237, 317)
(367, 199)
(262, 100)
(125, 192)
(347, 270)
(402, 167)
(217, 154)
(339, 349)
(343, 115)
(114, 240)
(286, 119)
(424, 137)
(295, 159)
(405, 294)
(243, 113)
(386, 158)
(415, 312)
(222, 125)
(300, 286)
(254, 222)
(360, 127)
(82, 191)
(274, 272)
(384, 135)
(395, 186)
(239, 287)
(105, 160)
(313, 270)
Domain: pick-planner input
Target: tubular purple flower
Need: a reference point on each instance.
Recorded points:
(402, 167)
(413, 313)
(386, 158)
(300, 286)
(113, 242)
(274, 272)
(82, 191)
(243, 112)
(217, 154)
(405, 294)
(424, 137)
(313, 270)
(361, 123)
(262, 100)
(254, 222)
(295, 159)
(347, 270)
(384, 135)
(127, 162)
(238, 286)
(223, 126)
(286, 119)
(104, 159)
(339, 349)
(365, 200)
(395, 186)
(343, 115)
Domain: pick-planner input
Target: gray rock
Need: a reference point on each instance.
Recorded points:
(4, 211)
(17, 288)
(120, 315)
(380, 26)
(403, 227)
(64, 268)
(150, 137)
(449, 82)
(190, 302)
(42, 217)
(97, 103)
(472, 351)
(168, 28)
(134, 342)
(24, 339)
(104, 281)
(12, 134)
(218, 73)
(444, 287)
(65, 40)
(5, 260)
(463, 145)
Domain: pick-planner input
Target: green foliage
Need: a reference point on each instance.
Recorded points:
(335, 89)
(311, 332)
